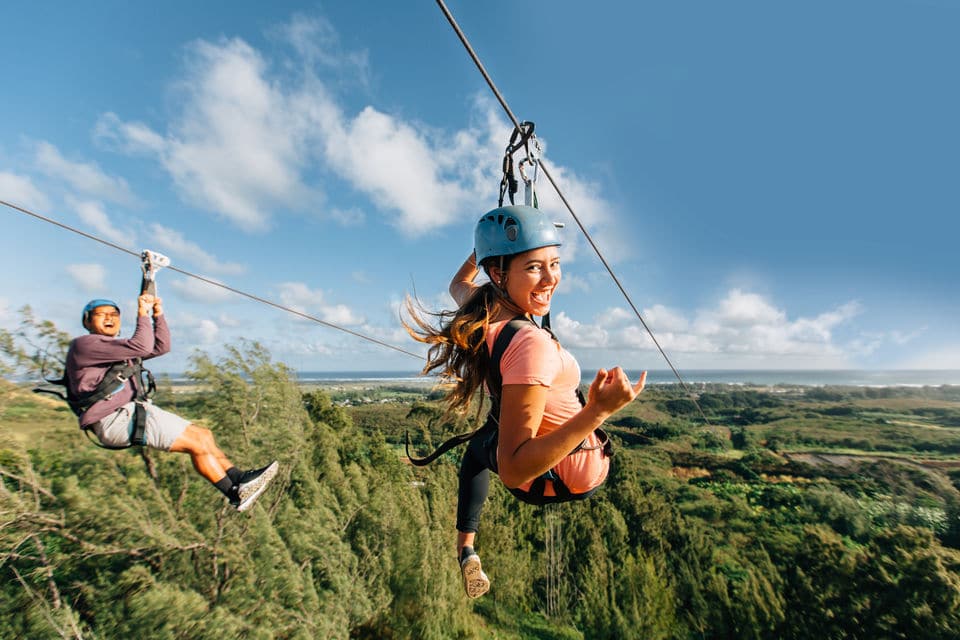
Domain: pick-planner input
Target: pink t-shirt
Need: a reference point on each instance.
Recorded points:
(533, 357)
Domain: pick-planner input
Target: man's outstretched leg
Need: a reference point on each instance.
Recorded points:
(242, 488)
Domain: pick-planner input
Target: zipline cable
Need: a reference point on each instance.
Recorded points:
(215, 283)
(546, 172)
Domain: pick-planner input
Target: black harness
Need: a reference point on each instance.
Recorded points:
(489, 432)
(113, 382)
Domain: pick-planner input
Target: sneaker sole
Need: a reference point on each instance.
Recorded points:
(475, 581)
(252, 490)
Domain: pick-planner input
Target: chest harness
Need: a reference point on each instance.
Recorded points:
(112, 383)
(489, 432)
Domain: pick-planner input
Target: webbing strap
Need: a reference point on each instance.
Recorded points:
(520, 138)
(453, 442)
(493, 418)
(492, 424)
(138, 436)
(494, 376)
(114, 380)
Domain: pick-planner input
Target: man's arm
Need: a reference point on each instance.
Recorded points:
(92, 350)
(161, 332)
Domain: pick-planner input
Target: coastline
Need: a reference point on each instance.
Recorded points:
(342, 381)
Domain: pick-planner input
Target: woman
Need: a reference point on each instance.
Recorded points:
(547, 440)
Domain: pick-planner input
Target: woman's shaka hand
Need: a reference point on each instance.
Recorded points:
(611, 390)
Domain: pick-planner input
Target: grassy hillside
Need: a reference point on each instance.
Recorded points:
(795, 513)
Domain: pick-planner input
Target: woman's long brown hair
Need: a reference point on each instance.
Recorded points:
(458, 348)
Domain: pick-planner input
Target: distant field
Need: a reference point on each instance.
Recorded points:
(911, 424)
(30, 418)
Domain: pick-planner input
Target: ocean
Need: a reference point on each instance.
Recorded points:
(853, 377)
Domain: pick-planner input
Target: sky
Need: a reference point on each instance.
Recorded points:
(775, 185)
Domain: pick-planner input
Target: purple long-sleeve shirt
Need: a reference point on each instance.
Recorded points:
(90, 356)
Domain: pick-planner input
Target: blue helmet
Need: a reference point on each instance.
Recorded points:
(93, 304)
(514, 229)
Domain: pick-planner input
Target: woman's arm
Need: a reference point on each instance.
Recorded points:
(522, 455)
(462, 286)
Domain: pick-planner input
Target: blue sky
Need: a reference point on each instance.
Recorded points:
(775, 184)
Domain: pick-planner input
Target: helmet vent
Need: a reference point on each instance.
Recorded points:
(512, 229)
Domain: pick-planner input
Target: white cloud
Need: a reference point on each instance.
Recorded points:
(946, 356)
(744, 329)
(230, 321)
(239, 144)
(250, 131)
(301, 347)
(351, 217)
(317, 42)
(21, 191)
(578, 334)
(299, 297)
(87, 178)
(397, 168)
(595, 214)
(340, 314)
(746, 309)
(93, 214)
(572, 283)
(207, 331)
(198, 291)
(901, 338)
(127, 137)
(658, 317)
(195, 331)
(89, 277)
(174, 243)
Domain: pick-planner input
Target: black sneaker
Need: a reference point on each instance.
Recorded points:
(251, 485)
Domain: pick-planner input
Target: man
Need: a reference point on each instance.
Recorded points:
(106, 397)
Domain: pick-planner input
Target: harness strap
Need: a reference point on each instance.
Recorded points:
(138, 437)
(113, 381)
(492, 424)
(453, 442)
(493, 418)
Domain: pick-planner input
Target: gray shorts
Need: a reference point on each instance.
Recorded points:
(162, 428)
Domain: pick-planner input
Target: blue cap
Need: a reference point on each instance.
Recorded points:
(93, 304)
(514, 229)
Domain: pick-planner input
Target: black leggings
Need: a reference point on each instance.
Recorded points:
(474, 485)
(478, 461)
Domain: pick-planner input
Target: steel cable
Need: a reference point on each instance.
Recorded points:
(556, 187)
(214, 283)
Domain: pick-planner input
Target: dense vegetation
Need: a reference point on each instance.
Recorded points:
(797, 513)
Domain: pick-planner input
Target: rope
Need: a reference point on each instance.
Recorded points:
(214, 282)
(546, 172)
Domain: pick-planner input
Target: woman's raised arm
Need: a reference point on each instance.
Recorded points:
(462, 286)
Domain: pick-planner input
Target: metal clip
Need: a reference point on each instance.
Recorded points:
(150, 263)
(530, 184)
